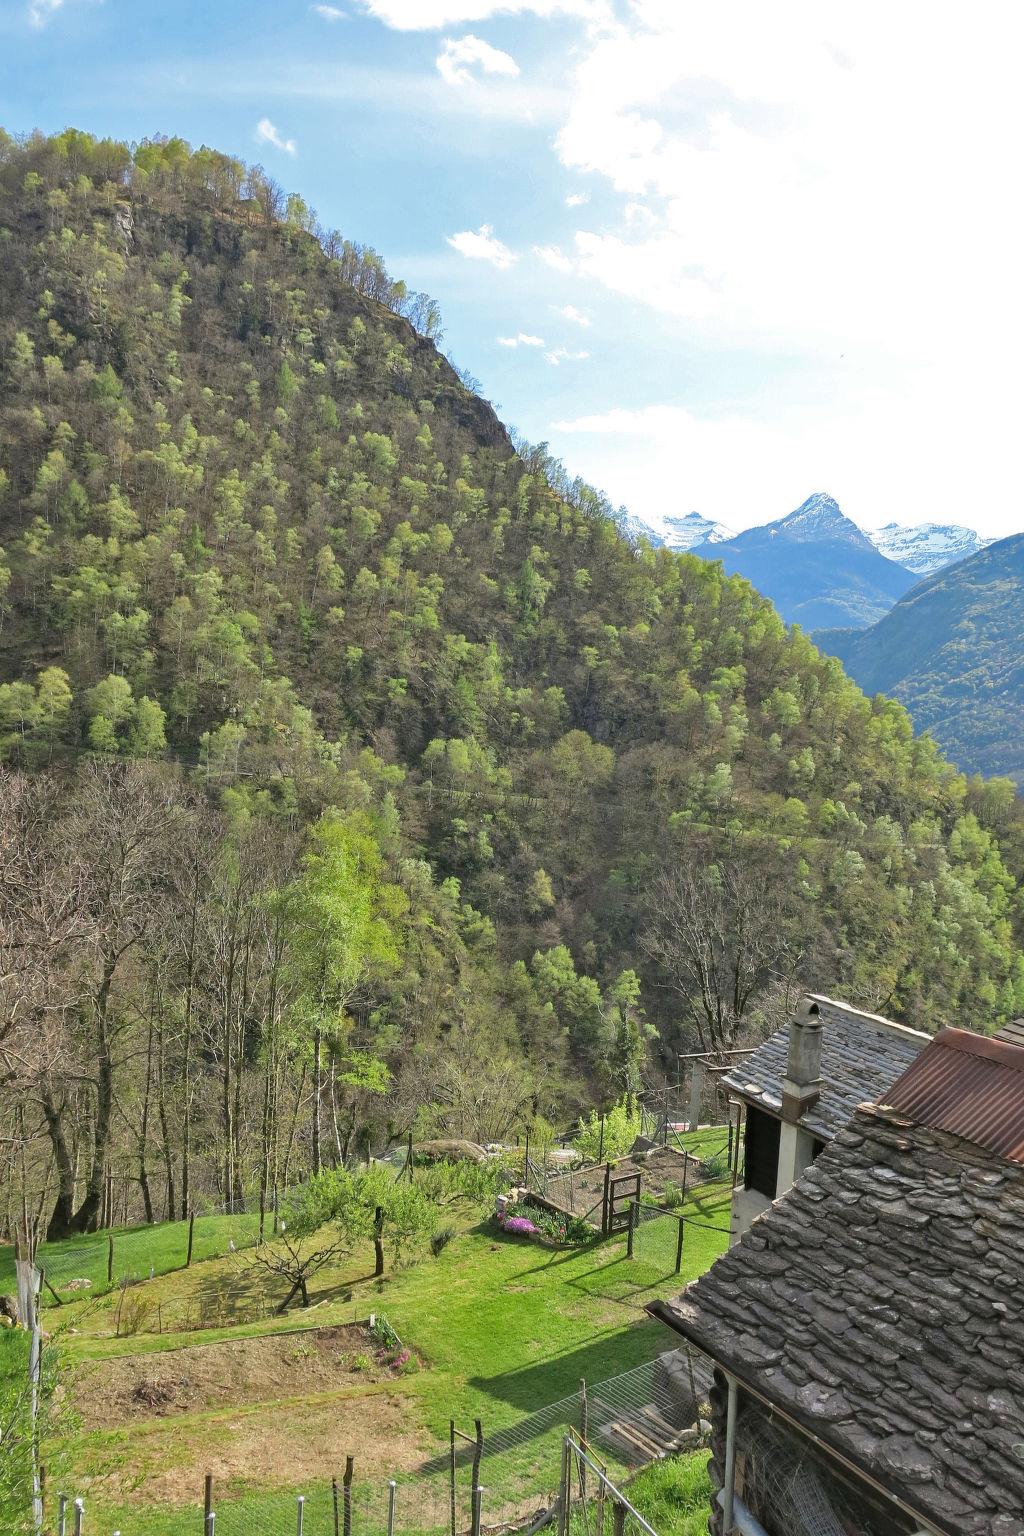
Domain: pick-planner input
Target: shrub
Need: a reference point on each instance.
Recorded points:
(622, 1125)
(440, 1240)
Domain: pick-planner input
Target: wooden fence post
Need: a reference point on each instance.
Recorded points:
(347, 1486)
(600, 1145)
(110, 1258)
(408, 1158)
(207, 1499)
(619, 1519)
(605, 1213)
(378, 1241)
(634, 1206)
(679, 1245)
(475, 1496)
(191, 1228)
(334, 1496)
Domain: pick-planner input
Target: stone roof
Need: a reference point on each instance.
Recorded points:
(878, 1304)
(862, 1055)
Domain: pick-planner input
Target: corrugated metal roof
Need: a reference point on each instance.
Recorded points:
(969, 1085)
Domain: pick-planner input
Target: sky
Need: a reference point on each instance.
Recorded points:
(718, 255)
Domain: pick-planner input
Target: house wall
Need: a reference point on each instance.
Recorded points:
(746, 1204)
(786, 1481)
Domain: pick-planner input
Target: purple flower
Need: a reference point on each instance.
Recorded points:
(520, 1224)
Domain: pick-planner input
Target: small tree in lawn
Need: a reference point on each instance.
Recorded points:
(333, 1214)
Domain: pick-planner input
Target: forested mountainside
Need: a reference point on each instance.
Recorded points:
(360, 773)
(816, 565)
(952, 651)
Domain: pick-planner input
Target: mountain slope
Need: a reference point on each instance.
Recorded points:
(816, 565)
(952, 651)
(927, 547)
(254, 523)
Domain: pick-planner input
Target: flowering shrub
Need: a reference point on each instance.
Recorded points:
(532, 1221)
(520, 1224)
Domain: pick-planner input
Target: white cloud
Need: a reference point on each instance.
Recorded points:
(330, 12)
(570, 312)
(554, 256)
(577, 199)
(819, 192)
(458, 55)
(521, 340)
(563, 355)
(423, 15)
(483, 246)
(40, 11)
(268, 134)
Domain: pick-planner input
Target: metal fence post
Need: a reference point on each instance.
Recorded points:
(62, 1514)
(451, 1483)
(679, 1244)
(211, 1521)
(478, 1494)
(334, 1496)
(392, 1489)
(634, 1206)
(300, 1505)
(79, 1516)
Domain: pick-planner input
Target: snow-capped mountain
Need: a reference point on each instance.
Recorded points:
(819, 569)
(685, 532)
(819, 517)
(633, 528)
(928, 547)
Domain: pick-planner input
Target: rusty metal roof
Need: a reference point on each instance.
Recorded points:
(970, 1086)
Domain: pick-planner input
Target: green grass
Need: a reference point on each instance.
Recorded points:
(674, 1495)
(136, 1250)
(502, 1326)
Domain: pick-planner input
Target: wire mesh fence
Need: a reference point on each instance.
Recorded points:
(511, 1480)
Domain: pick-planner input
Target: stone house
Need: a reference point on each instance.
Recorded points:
(867, 1332)
(800, 1088)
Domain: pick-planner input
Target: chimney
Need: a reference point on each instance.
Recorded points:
(801, 1085)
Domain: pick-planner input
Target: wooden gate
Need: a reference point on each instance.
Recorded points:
(620, 1192)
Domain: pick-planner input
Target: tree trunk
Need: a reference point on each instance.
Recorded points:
(378, 1242)
(60, 1223)
(317, 1094)
(87, 1216)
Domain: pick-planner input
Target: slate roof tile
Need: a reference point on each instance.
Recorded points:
(861, 1056)
(891, 1328)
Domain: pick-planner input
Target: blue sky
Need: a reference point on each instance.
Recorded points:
(754, 251)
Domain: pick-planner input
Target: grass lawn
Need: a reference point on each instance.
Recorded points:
(502, 1327)
(674, 1496)
(161, 1248)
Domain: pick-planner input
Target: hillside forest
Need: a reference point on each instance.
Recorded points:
(359, 777)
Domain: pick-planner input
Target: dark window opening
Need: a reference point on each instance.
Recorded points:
(817, 1150)
(761, 1153)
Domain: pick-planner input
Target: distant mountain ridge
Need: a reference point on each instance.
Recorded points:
(952, 651)
(816, 565)
(928, 547)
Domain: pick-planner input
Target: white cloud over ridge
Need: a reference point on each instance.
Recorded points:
(267, 133)
(458, 56)
(483, 245)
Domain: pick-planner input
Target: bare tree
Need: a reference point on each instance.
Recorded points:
(720, 931)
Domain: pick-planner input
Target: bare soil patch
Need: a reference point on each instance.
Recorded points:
(109, 1393)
